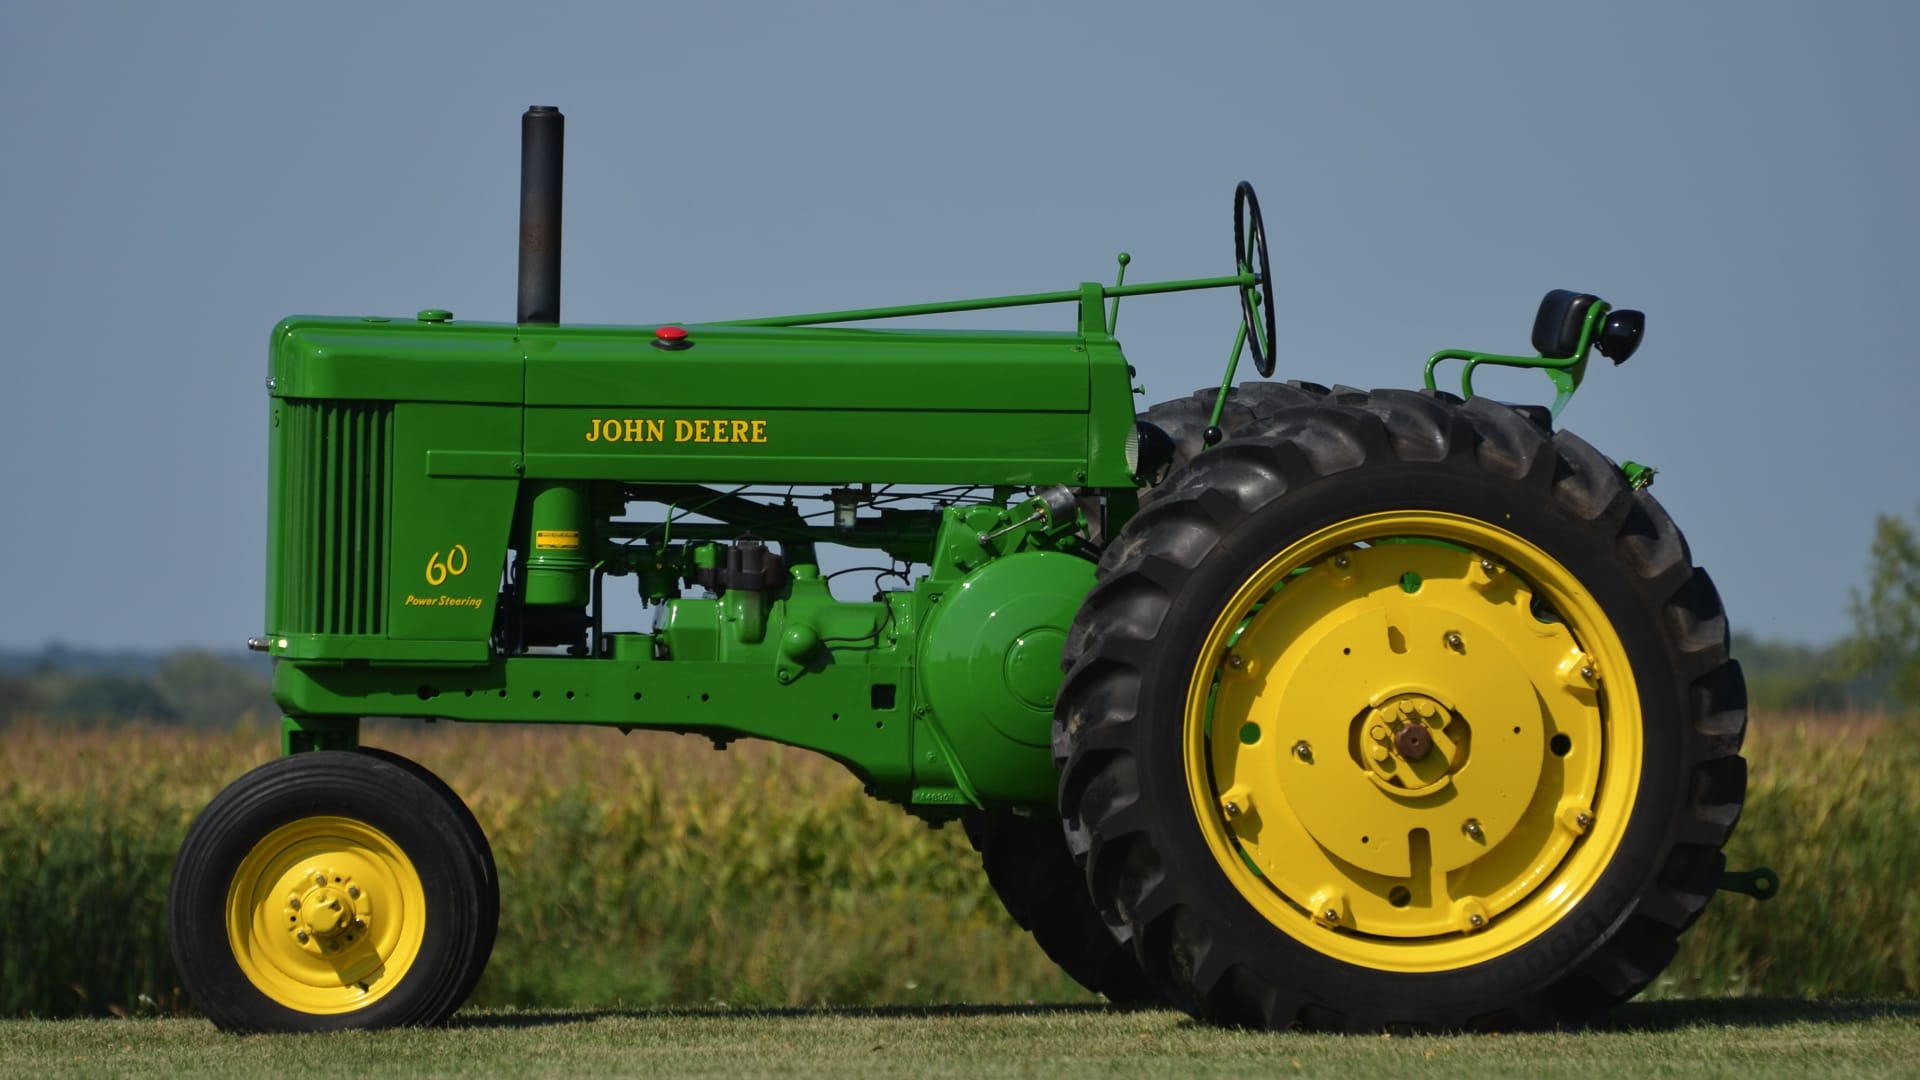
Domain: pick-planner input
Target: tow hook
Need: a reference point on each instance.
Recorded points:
(1761, 882)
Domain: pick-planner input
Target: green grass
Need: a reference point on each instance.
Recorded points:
(1697, 1039)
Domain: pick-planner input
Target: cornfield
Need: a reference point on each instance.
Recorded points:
(649, 869)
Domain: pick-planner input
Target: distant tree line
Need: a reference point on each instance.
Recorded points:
(1886, 616)
(1877, 667)
(1789, 677)
(207, 690)
(186, 689)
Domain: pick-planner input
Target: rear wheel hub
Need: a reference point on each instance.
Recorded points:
(1399, 736)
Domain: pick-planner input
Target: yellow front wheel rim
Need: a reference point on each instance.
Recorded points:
(326, 915)
(1412, 741)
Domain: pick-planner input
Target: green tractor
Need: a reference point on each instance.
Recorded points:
(1288, 705)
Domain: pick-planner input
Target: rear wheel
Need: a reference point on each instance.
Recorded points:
(1030, 868)
(1398, 712)
(331, 890)
(1035, 869)
(1185, 419)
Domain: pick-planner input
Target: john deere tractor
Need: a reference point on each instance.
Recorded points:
(1288, 705)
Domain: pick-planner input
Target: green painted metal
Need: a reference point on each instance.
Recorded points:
(1638, 475)
(560, 537)
(1566, 372)
(451, 502)
(787, 662)
(989, 667)
(1226, 381)
(301, 734)
(945, 307)
(1119, 279)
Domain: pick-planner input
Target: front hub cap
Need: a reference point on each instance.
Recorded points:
(325, 914)
(331, 916)
(1411, 739)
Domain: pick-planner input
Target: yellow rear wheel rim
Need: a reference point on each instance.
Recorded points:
(1412, 741)
(325, 915)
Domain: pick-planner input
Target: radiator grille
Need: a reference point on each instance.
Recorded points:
(334, 481)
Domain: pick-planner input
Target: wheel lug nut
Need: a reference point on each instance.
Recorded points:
(1587, 672)
(302, 937)
(353, 891)
(1413, 742)
(320, 880)
(293, 902)
(1331, 915)
(1304, 751)
(1584, 820)
(1377, 732)
(1474, 831)
(1379, 754)
(1454, 641)
(1477, 921)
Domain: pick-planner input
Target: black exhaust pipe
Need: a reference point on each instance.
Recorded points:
(543, 143)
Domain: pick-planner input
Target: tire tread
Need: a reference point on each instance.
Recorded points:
(1296, 435)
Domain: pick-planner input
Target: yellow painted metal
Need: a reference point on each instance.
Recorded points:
(325, 915)
(1449, 845)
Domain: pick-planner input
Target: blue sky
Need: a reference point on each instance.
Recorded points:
(175, 178)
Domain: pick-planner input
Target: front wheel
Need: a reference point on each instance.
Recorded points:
(332, 890)
(1400, 712)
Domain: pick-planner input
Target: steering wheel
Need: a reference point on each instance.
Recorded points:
(1250, 256)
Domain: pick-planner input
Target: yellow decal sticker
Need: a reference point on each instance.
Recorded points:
(556, 539)
(454, 565)
(637, 429)
(443, 601)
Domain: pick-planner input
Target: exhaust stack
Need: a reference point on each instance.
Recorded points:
(543, 139)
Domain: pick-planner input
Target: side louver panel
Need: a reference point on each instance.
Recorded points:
(333, 522)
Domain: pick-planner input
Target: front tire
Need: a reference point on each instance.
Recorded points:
(1398, 712)
(331, 890)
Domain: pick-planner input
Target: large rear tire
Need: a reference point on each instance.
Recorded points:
(1185, 420)
(1398, 712)
(332, 890)
(1028, 864)
(1035, 867)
